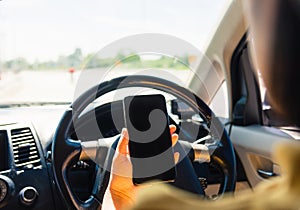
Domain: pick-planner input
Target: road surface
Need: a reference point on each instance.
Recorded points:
(60, 85)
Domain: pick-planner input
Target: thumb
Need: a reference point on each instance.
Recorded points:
(176, 157)
(122, 147)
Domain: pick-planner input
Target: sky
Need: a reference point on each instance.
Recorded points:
(44, 29)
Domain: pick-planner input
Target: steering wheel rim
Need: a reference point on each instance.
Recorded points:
(66, 151)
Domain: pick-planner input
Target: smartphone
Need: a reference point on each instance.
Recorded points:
(150, 144)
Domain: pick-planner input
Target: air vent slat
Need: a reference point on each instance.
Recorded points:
(20, 145)
(26, 158)
(24, 138)
(21, 132)
(16, 151)
(24, 135)
(34, 162)
(31, 141)
(24, 148)
(22, 154)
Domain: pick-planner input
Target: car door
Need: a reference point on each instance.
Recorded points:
(255, 129)
(253, 126)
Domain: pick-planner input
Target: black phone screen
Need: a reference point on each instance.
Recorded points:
(150, 144)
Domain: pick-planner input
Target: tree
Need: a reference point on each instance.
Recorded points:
(75, 59)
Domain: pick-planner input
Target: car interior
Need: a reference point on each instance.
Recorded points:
(58, 155)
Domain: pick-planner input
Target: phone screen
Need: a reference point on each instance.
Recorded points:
(150, 144)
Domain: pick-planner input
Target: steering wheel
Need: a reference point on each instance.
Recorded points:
(66, 151)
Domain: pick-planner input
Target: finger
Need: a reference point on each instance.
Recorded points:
(123, 142)
(176, 157)
(172, 128)
(174, 139)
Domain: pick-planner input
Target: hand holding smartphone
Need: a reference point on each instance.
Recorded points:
(150, 144)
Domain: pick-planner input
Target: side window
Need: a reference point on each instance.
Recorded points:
(219, 103)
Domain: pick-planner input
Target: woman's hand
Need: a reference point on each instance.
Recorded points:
(121, 192)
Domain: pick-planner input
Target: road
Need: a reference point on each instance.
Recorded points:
(60, 85)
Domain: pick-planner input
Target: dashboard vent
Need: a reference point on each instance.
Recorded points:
(24, 148)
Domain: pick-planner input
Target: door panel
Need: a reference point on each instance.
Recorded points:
(254, 145)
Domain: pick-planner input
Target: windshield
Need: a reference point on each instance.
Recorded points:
(44, 45)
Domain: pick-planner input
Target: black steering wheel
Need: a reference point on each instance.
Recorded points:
(66, 151)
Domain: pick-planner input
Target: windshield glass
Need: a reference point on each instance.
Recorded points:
(44, 45)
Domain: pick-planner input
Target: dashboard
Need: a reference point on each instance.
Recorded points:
(26, 177)
(26, 180)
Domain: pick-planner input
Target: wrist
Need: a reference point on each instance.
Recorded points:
(120, 199)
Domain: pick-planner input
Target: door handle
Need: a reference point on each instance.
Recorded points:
(266, 174)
